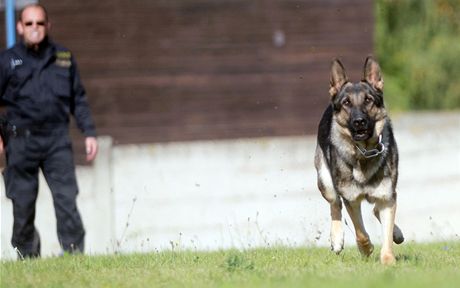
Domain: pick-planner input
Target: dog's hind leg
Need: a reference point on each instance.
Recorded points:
(398, 236)
(337, 236)
(326, 186)
(362, 238)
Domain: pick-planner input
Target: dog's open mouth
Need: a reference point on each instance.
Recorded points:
(361, 135)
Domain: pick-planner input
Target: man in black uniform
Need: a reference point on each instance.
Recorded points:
(40, 87)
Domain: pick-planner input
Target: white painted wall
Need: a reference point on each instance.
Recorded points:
(246, 193)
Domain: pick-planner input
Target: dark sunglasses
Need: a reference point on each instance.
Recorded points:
(38, 23)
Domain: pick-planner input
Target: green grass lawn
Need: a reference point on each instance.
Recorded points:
(419, 265)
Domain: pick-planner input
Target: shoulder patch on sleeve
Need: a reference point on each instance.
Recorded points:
(63, 55)
(63, 59)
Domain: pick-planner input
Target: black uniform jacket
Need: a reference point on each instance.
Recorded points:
(42, 88)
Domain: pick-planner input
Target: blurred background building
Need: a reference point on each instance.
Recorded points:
(160, 71)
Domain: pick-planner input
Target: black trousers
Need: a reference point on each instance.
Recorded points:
(50, 151)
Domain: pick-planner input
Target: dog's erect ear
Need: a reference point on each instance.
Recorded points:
(372, 74)
(338, 77)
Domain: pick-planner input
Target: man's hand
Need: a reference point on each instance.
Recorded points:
(1, 146)
(91, 148)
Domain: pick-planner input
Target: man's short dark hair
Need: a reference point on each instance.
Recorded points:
(37, 5)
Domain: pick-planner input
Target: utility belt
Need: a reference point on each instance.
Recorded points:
(14, 131)
(9, 130)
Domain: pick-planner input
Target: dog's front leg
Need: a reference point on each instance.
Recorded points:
(337, 236)
(398, 236)
(387, 210)
(362, 238)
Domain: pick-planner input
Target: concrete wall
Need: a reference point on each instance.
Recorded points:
(246, 193)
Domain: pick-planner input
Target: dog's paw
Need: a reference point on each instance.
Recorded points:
(398, 236)
(365, 247)
(337, 243)
(337, 248)
(387, 259)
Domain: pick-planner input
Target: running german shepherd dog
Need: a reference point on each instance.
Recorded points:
(357, 158)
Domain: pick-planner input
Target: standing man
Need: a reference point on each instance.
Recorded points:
(40, 87)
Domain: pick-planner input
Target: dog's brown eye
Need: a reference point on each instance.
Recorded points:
(346, 102)
(368, 100)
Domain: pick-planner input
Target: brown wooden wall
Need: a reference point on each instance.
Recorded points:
(174, 70)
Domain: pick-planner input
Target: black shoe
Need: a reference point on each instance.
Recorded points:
(36, 248)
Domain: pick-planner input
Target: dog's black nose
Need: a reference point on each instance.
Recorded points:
(359, 123)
